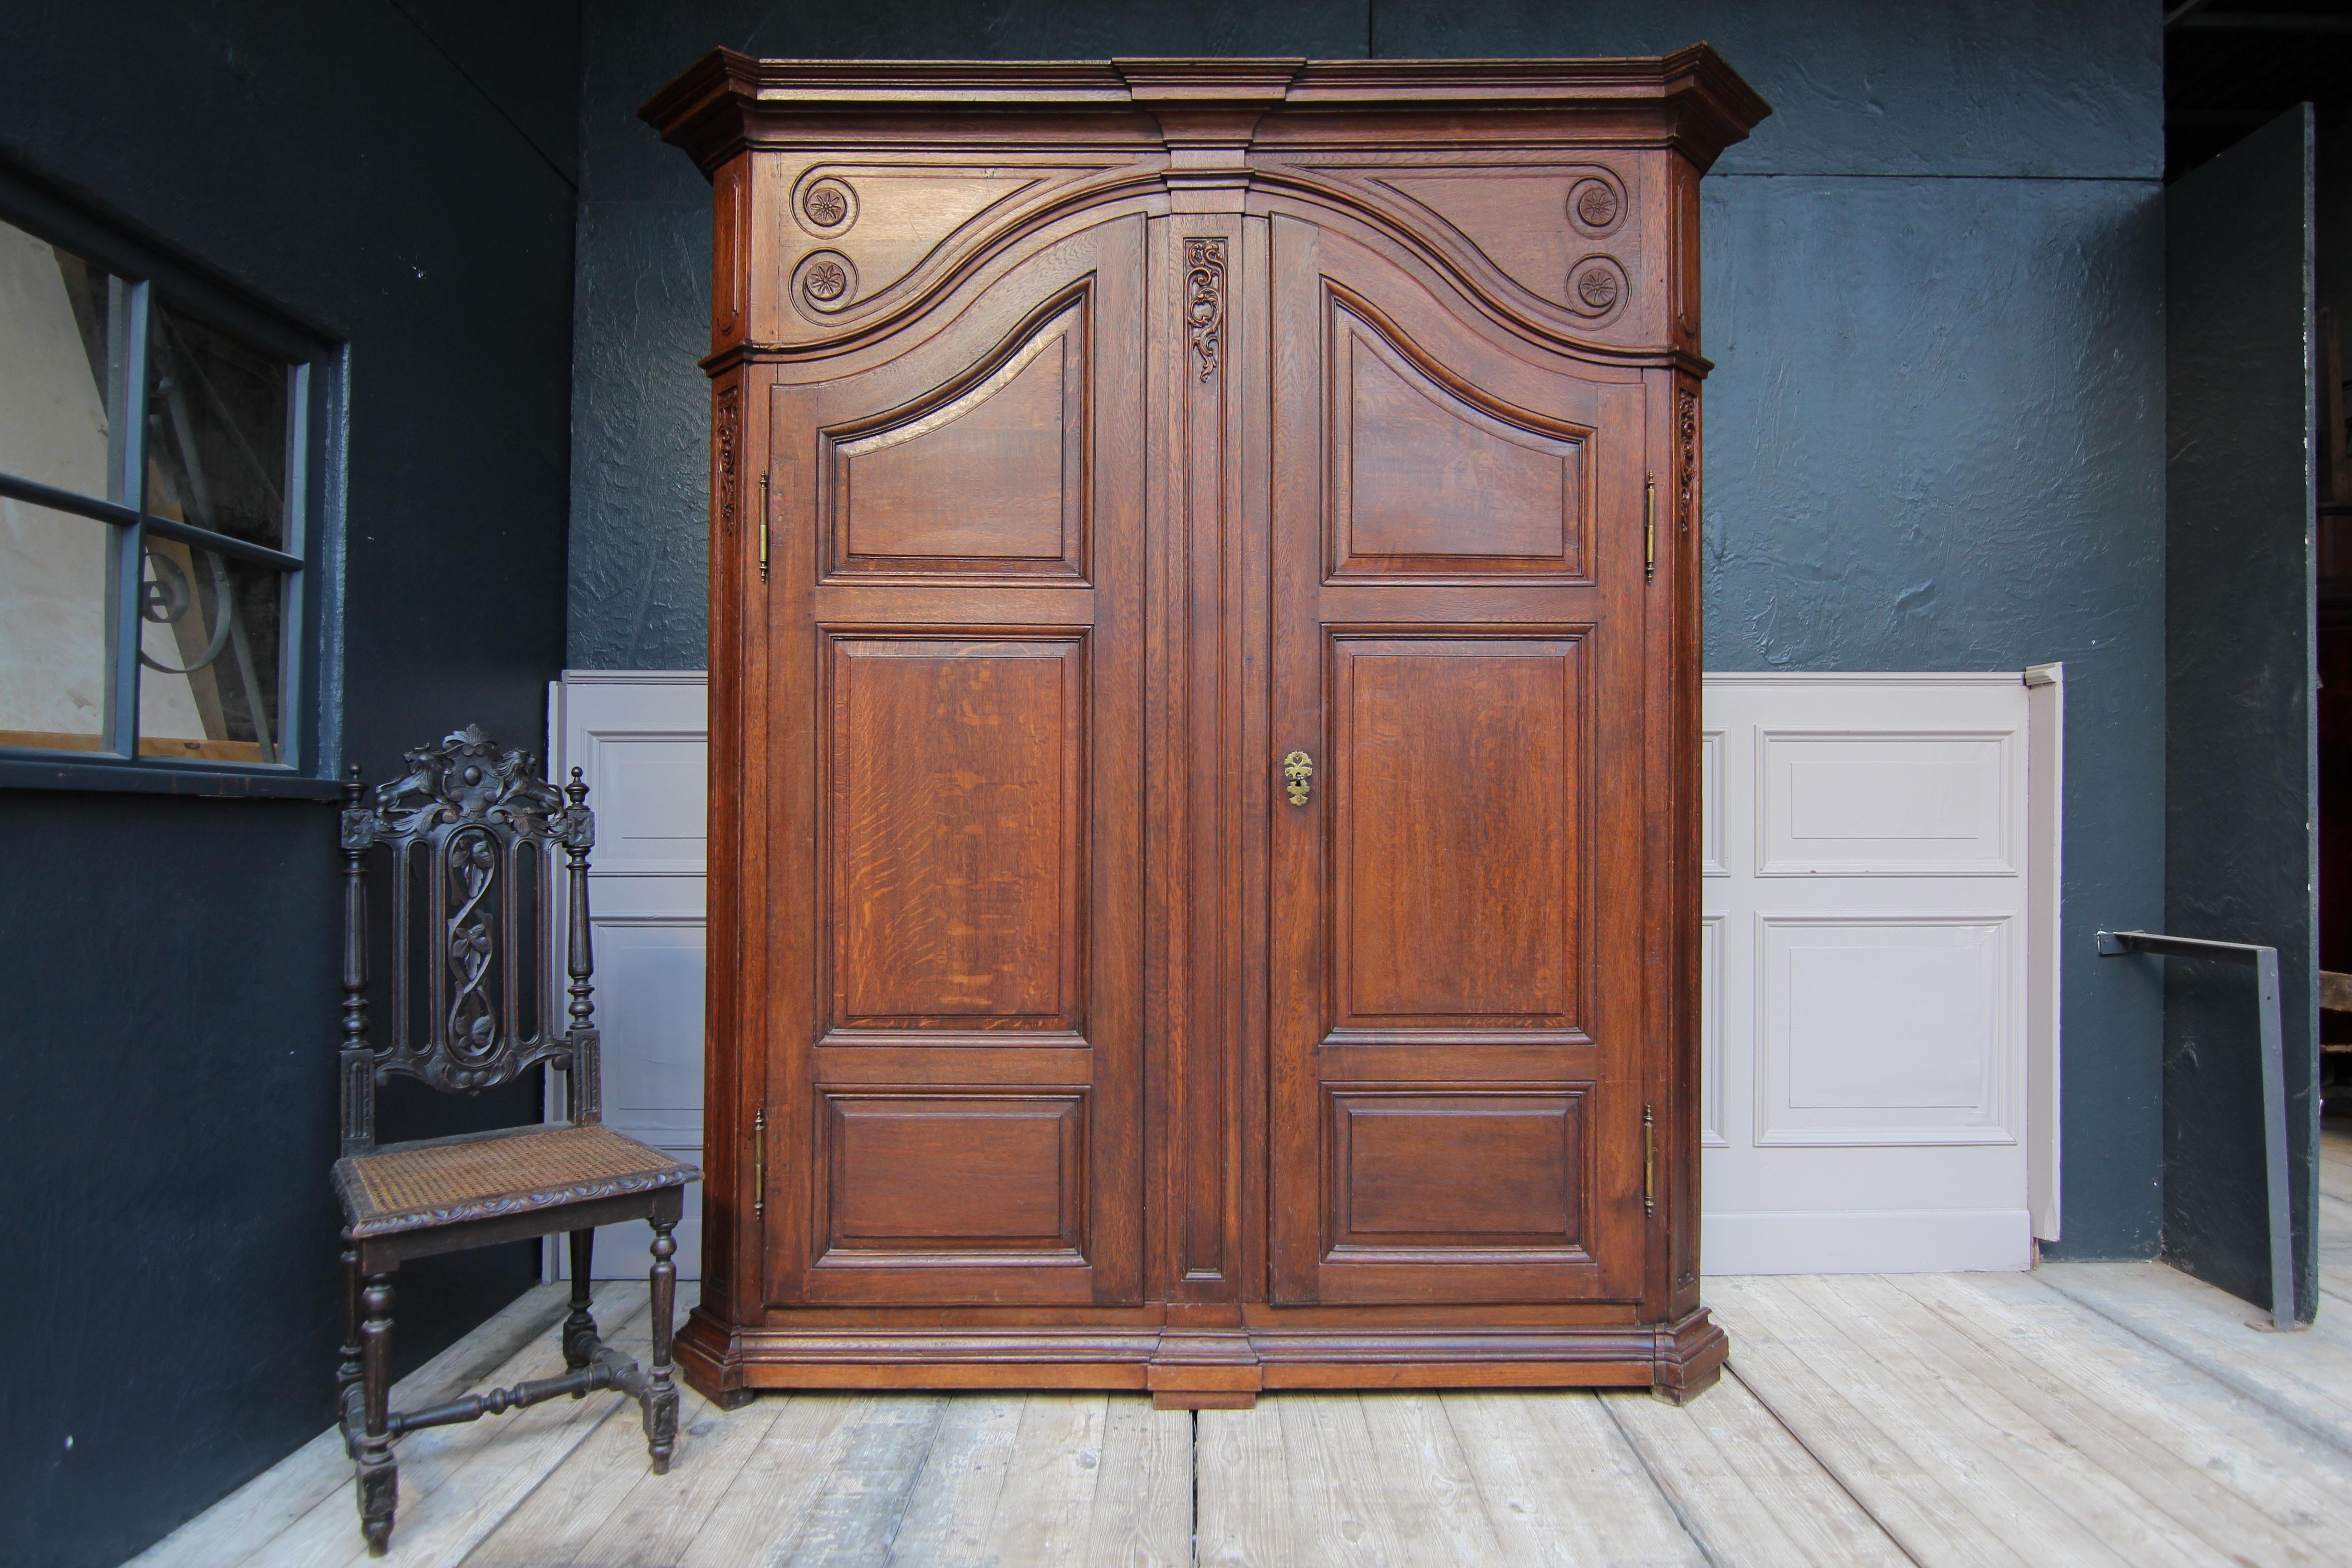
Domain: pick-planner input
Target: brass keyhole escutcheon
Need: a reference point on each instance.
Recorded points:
(1297, 769)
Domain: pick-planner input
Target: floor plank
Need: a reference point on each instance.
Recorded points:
(1427, 1480)
(953, 1497)
(2336, 1157)
(606, 1508)
(1339, 1513)
(2335, 1250)
(1746, 1490)
(1241, 1480)
(1562, 1485)
(762, 1513)
(1142, 1514)
(2062, 1498)
(853, 1513)
(1926, 1495)
(2154, 1485)
(2305, 1378)
(2194, 1446)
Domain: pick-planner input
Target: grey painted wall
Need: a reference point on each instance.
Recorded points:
(2242, 776)
(168, 1002)
(1935, 435)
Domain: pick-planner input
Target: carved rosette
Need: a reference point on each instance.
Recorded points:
(828, 205)
(1204, 301)
(827, 281)
(1686, 476)
(726, 421)
(1597, 287)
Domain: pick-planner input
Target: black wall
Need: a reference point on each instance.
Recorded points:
(401, 178)
(1935, 298)
(2241, 774)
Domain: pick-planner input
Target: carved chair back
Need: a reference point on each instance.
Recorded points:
(469, 835)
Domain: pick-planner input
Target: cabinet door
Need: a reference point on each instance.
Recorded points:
(1456, 1008)
(953, 691)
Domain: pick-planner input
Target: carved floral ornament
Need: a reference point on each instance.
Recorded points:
(826, 203)
(1686, 429)
(1596, 204)
(1596, 201)
(1204, 301)
(1596, 286)
(729, 422)
(828, 280)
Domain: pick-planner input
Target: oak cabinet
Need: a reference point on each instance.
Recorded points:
(1204, 708)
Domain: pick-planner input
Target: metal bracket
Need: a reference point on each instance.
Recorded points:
(2264, 962)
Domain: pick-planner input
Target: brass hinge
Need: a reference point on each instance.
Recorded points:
(1649, 528)
(763, 528)
(760, 1163)
(1649, 1161)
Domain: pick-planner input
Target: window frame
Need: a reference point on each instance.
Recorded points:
(308, 564)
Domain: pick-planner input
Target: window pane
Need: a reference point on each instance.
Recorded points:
(209, 652)
(52, 661)
(53, 365)
(215, 429)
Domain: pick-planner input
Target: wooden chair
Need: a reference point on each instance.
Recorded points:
(471, 836)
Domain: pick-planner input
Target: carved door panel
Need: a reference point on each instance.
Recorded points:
(1457, 905)
(954, 864)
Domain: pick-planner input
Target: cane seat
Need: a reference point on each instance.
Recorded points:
(446, 1181)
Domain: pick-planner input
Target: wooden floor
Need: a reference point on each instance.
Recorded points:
(2084, 1414)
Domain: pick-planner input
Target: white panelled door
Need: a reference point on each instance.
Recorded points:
(638, 738)
(1866, 953)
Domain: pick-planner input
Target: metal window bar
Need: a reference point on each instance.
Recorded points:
(2266, 966)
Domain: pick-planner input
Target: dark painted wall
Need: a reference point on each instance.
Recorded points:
(1935, 435)
(2241, 766)
(400, 176)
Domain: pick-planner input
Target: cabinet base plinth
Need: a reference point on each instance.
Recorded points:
(1204, 1370)
(1216, 1369)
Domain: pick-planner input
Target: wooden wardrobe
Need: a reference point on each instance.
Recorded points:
(1204, 723)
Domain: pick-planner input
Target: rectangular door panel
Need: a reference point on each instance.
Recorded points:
(957, 832)
(1491, 1174)
(972, 1183)
(1457, 798)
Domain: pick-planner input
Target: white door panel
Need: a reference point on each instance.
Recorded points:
(639, 740)
(1864, 952)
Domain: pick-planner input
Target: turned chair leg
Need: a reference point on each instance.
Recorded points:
(661, 1391)
(347, 1373)
(580, 1329)
(379, 1473)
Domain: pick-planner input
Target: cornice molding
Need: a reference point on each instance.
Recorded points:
(716, 106)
